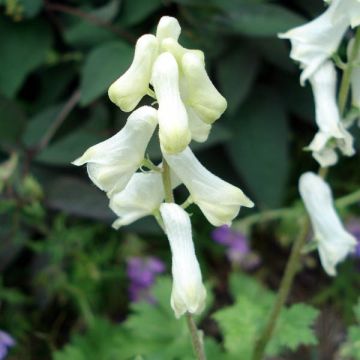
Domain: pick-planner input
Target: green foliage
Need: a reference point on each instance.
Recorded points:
(242, 322)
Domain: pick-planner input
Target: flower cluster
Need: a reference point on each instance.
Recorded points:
(188, 105)
(142, 273)
(313, 45)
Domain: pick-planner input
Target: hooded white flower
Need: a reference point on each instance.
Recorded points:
(199, 130)
(331, 131)
(174, 129)
(168, 27)
(334, 242)
(141, 197)
(127, 91)
(201, 93)
(218, 200)
(316, 41)
(111, 163)
(188, 292)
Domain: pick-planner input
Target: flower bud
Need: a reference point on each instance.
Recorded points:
(188, 292)
(127, 91)
(334, 242)
(174, 130)
(111, 163)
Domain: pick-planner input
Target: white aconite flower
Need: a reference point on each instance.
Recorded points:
(331, 132)
(111, 163)
(199, 130)
(168, 27)
(201, 94)
(218, 200)
(316, 41)
(174, 132)
(188, 292)
(127, 91)
(334, 242)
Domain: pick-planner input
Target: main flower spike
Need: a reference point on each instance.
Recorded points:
(127, 91)
(331, 131)
(334, 242)
(315, 42)
(218, 200)
(174, 129)
(111, 163)
(188, 292)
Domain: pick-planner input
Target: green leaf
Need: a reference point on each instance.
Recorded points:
(17, 41)
(257, 19)
(236, 73)
(259, 147)
(135, 11)
(103, 65)
(31, 7)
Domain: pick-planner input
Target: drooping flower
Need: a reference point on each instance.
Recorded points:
(188, 292)
(331, 132)
(219, 201)
(111, 163)
(127, 91)
(316, 41)
(334, 242)
(174, 132)
(6, 342)
(141, 197)
(142, 273)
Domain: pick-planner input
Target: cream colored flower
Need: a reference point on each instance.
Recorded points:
(188, 292)
(334, 242)
(201, 94)
(168, 27)
(174, 129)
(127, 91)
(218, 200)
(111, 163)
(331, 132)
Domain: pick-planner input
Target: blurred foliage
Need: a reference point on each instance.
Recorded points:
(63, 282)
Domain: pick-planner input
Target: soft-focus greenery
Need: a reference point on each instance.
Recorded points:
(63, 287)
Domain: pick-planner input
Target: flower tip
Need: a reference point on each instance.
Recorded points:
(168, 27)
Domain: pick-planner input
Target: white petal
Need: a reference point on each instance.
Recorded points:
(168, 27)
(174, 130)
(111, 163)
(218, 200)
(334, 242)
(202, 95)
(331, 131)
(127, 91)
(355, 76)
(199, 129)
(314, 42)
(188, 292)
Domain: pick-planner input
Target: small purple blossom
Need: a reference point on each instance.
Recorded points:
(353, 226)
(6, 342)
(238, 250)
(142, 273)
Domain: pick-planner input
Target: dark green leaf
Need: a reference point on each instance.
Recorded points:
(103, 65)
(23, 47)
(31, 7)
(135, 11)
(259, 147)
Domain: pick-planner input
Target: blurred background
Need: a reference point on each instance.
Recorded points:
(73, 288)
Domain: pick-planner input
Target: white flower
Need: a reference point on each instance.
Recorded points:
(111, 163)
(201, 94)
(127, 91)
(168, 27)
(188, 292)
(355, 76)
(199, 130)
(218, 200)
(334, 242)
(331, 131)
(174, 130)
(314, 42)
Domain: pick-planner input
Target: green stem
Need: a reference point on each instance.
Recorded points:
(195, 338)
(194, 332)
(348, 200)
(345, 82)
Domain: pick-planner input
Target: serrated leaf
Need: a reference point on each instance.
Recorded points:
(236, 73)
(17, 41)
(259, 148)
(103, 65)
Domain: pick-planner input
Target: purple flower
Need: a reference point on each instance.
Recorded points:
(6, 342)
(142, 273)
(238, 250)
(353, 226)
